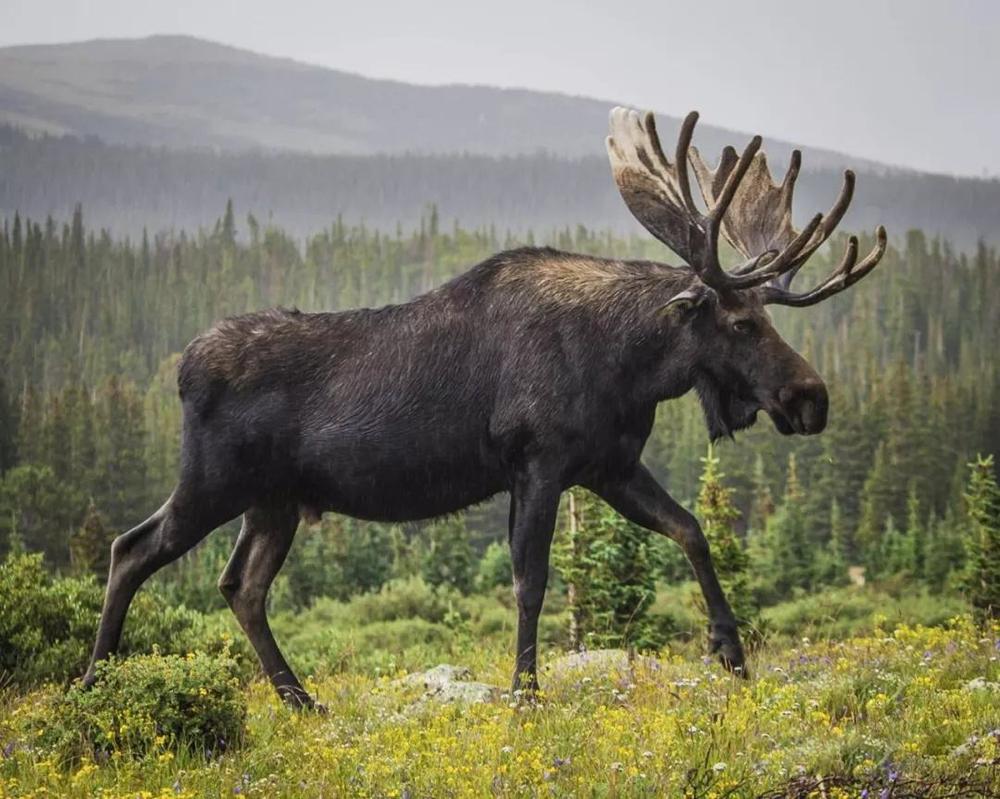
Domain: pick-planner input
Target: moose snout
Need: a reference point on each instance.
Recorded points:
(805, 404)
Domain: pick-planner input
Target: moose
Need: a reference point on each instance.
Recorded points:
(534, 371)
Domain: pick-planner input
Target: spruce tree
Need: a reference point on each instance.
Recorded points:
(37, 510)
(835, 559)
(915, 535)
(876, 505)
(762, 503)
(447, 557)
(8, 429)
(784, 559)
(718, 514)
(120, 471)
(90, 545)
(603, 561)
(29, 443)
(893, 555)
(982, 578)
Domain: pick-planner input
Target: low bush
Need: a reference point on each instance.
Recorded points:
(47, 626)
(382, 646)
(841, 613)
(143, 704)
(409, 598)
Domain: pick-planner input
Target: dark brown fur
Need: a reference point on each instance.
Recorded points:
(534, 371)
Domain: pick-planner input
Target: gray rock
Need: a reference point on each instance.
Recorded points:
(446, 683)
(982, 684)
(597, 663)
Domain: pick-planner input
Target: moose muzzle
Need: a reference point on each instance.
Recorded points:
(802, 407)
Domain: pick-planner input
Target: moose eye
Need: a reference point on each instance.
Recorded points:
(743, 326)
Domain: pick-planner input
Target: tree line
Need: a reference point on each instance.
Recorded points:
(127, 187)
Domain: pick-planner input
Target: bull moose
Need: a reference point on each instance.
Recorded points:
(534, 371)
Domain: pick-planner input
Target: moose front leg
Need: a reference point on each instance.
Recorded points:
(534, 503)
(640, 499)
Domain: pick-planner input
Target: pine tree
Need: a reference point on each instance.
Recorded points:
(603, 562)
(718, 514)
(784, 559)
(915, 536)
(8, 429)
(835, 560)
(448, 559)
(876, 505)
(982, 579)
(90, 545)
(494, 567)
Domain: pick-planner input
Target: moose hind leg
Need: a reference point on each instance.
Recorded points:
(533, 509)
(136, 556)
(260, 551)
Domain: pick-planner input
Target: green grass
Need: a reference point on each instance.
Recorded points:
(893, 709)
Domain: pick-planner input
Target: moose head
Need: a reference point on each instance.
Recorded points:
(739, 364)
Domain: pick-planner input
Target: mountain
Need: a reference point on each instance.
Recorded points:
(159, 132)
(181, 91)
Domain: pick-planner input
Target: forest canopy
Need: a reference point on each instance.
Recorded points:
(89, 419)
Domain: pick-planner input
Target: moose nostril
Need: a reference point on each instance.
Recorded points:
(805, 405)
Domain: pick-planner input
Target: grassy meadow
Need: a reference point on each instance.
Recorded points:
(846, 699)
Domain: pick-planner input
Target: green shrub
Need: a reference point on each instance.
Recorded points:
(316, 648)
(155, 624)
(47, 625)
(841, 613)
(407, 598)
(144, 704)
(494, 567)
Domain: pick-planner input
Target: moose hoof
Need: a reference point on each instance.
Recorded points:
(298, 699)
(724, 641)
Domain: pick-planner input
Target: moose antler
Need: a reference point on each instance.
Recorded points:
(743, 202)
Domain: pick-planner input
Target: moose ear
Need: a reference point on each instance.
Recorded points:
(684, 303)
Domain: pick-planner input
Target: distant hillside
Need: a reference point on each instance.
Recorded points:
(190, 123)
(182, 91)
(127, 188)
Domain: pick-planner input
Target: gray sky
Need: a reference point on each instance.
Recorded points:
(910, 82)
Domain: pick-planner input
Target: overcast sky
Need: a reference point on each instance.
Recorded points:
(911, 82)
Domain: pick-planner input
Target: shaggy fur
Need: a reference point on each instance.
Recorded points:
(534, 371)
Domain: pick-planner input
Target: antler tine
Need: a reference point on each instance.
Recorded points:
(681, 156)
(790, 257)
(743, 203)
(734, 179)
(847, 273)
(658, 192)
(830, 222)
